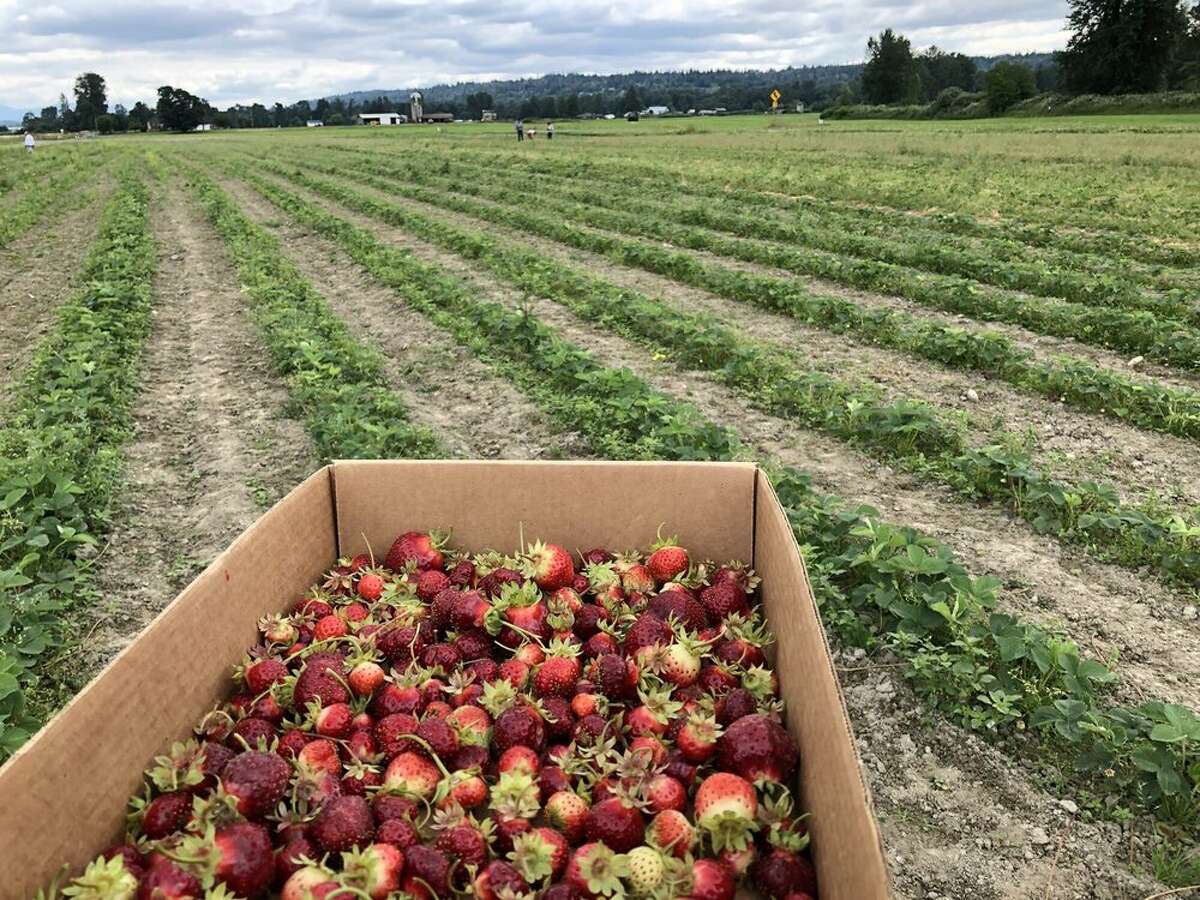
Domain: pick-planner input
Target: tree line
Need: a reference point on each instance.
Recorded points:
(1116, 47)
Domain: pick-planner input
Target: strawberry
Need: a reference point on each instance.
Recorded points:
(439, 735)
(671, 830)
(726, 809)
(375, 870)
(736, 704)
(421, 548)
(400, 833)
(166, 880)
(252, 733)
(394, 734)
(257, 780)
(613, 677)
(334, 720)
(541, 854)
(667, 560)
(412, 773)
(558, 675)
(515, 672)
(780, 872)
(166, 814)
(318, 756)
(756, 746)
(426, 873)
(472, 723)
(617, 823)
(463, 574)
(470, 610)
(344, 822)
(567, 812)
(260, 675)
(470, 792)
(646, 870)
(647, 631)
(663, 792)
(724, 598)
(518, 759)
(366, 678)
(370, 587)
(238, 855)
(595, 871)
(499, 880)
(697, 739)
(518, 725)
(105, 878)
(309, 883)
(711, 880)
(465, 843)
(430, 583)
(550, 566)
(688, 611)
(330, 627)
(321, 680)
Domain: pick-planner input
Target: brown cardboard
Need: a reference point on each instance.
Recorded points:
(62, 797)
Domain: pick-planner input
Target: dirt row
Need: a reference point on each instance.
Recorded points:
(959, 819)
(212, 447)
(38, 272)
(1074, 445)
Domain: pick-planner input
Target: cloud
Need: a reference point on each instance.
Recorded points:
(268, 50)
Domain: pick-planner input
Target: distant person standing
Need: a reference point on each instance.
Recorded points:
(29, 142)
(550, 131)
(520, 126)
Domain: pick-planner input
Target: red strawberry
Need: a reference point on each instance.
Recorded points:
(567, 811)
(440, 736)
(412, 773)
(518, 725)
(735, 705)
(258, 780)
(370, 587)
(374, 870)
(394, 733)
(711, 880)
(252, 733)
(366, 678)
(667, 561)
(398, 832)
(318, 756)
(464, 842)
(558, 675)
(344, 822)
(724, 598)
(320, 680)
(726, 807)
(493, 582)
(470, 793)
(663, 792)
(470, 610)
(430, 583)
(690, 613)
(499, 880)
(287, 859)
(672, 831)
(334, 720)
(262, 674)
(647, 631)
(418, 547)
(697, 740)
(463, 574)
(329, 627)
(778, 873)
(426, 869)
(617, 823)
(308, 883)
(612, 676)
(242, 858)
(519, 758)
(551, 566)
(166, 814)
(166, 880)
(756, 746)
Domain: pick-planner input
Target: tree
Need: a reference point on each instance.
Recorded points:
(91, 99)
(632, 101)
(1185, 73)
(140, 116)
(179, 110)
(940, 70)
(1007, 84)
(1121, 46)
(890, 74)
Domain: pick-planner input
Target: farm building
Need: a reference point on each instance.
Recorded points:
(437, 118)
(388, 118)
(314, 123)
(487, 115)
(656, 110)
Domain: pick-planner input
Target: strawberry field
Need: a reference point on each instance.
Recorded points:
(969, 355)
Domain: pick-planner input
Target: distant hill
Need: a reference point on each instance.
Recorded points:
(10, 115)
(688, 82)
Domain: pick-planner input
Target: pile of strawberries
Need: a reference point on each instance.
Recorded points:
(503, 727)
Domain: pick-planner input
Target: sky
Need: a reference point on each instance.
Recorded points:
(232, 51)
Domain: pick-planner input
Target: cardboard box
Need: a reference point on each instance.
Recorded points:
(63, 796)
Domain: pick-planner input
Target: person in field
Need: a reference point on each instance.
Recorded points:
(520, 127)
(29, 142)
(550, 131)
(532, 133)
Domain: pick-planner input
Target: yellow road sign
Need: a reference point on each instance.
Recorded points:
(775, 95)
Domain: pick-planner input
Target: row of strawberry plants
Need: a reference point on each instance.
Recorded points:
(1146, 404)
(19, 169)
(334, 381)
(912, 434)
(881, 586)
(845, 238)
(653, 174)
(1134, 331)
(66, 188)
(60, 449)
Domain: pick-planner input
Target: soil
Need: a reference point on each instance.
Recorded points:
(961, 820)
(475, 413)
(38, 272)
(1073, 445)
(212, 448)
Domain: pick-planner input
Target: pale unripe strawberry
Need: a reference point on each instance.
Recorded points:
(646, 869)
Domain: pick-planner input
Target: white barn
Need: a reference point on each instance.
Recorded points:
(388, 118)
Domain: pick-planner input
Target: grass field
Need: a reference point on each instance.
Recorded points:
(969, 352)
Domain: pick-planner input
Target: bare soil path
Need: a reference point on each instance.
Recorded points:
(38, 272)
(213, 446)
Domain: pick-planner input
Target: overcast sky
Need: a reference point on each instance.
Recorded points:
(245, 50)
